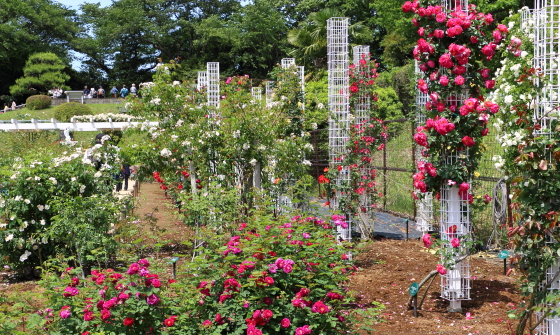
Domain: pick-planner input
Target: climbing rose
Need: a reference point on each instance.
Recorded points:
(441, 269)
(468, 141)
(128, 322)
(427, 239)
(455, 242)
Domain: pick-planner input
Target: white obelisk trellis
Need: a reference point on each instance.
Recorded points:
(213, 84)
(269, 93)
(201, 81)
(546, 18)
(455, 212)
(339, 103)
(424, 205)
(256, 92)
(362, 107)
(287, 62)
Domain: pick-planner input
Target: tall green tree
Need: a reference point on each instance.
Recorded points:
(28, 26)
(41, 72)
(310, 38)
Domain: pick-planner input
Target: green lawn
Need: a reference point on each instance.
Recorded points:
(47, 114)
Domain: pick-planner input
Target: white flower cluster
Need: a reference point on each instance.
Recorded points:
(105, 117)
(499, 162)
(165, 152)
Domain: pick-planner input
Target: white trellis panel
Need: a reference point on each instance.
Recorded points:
(362, 107)
(256, 92)
(547, 59)
(269, 92)
(287, 62)
(425, 205)
(201, 81)
(546, 45)
(339, 104)
(213, 84)
(360, 52)
(454, 4)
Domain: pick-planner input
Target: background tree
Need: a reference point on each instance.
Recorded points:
(310, 38)
(28, 26)
(41, 72)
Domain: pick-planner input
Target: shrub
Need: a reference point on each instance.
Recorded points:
(65, 112)
(108, 301)
(36, 102)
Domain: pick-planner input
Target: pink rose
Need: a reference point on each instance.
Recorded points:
(427, 239)
(441, 269)
(285, 322)
(455, 242)
(459, 80)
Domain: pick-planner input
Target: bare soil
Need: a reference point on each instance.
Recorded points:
(388, 267)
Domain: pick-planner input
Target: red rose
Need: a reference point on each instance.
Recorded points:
(468, 141)
(128, 322)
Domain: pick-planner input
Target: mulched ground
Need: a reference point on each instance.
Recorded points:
(388, 267)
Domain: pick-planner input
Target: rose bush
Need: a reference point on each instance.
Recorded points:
(56, 205)
(281, 277)
(130, 302)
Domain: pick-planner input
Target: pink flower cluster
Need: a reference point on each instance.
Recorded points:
(340, 220)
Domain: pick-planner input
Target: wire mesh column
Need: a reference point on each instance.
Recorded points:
(339, 103)
(256, 92)
(301, 75)
(269, 93)
(455, 222)
(361, 109)
(546, 18)
(201, 81)
(361, 112)
(287, 62)
(455, 211)
(213, 84)
(425, 204)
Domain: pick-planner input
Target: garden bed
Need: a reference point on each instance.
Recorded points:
(388, 267)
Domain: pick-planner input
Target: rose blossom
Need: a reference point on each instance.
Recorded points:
(285, 322)
(427, 239)
(152, 299)
(455, 242)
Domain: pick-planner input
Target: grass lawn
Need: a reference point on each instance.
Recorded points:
(47, 114)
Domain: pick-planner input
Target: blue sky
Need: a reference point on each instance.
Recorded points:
(75, 4)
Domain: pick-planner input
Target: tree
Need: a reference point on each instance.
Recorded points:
(310, 39)
(28, 26)
(41, 72)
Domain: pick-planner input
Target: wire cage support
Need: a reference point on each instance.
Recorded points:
(547, 59)
(339, 102)
(213, 84)
(256, 92)
(455, 4)
(287, 62)
(201, 81)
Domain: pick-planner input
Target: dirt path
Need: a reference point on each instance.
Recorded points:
(154, 206)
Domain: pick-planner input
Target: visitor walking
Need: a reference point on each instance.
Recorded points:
(133, 90)
(114, 92)
(100, 93)
(13, 105)
(124, 91)
(86, 92)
